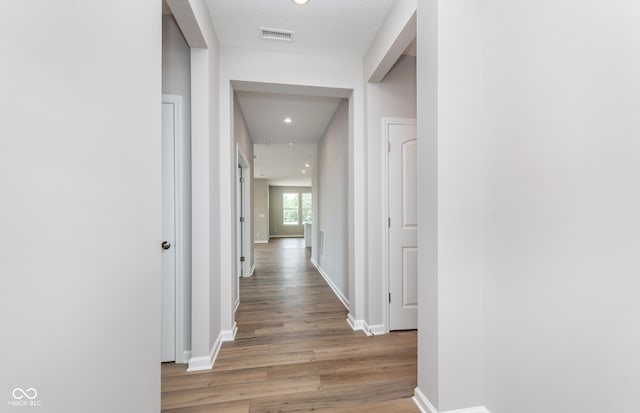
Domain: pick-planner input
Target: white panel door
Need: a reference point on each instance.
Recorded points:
(403, 228)
(168, 343)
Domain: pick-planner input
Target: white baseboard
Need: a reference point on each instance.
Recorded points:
(361, 325)
(206, 362)
(286, 236)
(344, 300)
(377, 329)
(425, 405)
(358, 325)
(230, 335)
(422, 402)
(261, 242)
(186, 356)
(251, 271)
(235, 306)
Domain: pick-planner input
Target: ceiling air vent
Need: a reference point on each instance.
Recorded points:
(276, 34)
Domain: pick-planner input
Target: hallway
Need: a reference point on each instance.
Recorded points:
(295, 352)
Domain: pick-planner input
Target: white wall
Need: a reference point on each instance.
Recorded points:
(537, 206)
(261, 210)
(395, 97)
(211, 71)
(333, 198)
(194, 21)
(427, 125)
(80, 216)
(572, 225)
(176, 80)
(461, 192)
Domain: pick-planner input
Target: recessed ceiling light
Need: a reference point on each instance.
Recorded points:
(288, 120)
(307, 165)
(300, 2)
(304, 172)
(290, 143)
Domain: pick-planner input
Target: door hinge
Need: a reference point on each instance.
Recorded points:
(241, 180)
(388, 146)
(389, 297)
(389, 222)
(241, 219)
(241, 259)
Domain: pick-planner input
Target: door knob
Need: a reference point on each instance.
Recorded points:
(166, 245)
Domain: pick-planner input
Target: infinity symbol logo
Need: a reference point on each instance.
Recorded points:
(30, 393)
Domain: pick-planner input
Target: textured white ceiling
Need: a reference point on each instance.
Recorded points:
(322, 27)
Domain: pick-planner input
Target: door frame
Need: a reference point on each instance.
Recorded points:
(247, 271)
(246, 199)
(179, 151)
(386, 308)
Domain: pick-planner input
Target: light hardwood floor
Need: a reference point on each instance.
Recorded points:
(295, 352)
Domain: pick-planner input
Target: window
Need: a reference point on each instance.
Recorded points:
(306, 208)
(290, 213)
(296, 208)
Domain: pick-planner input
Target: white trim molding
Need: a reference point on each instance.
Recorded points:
(358, 325)
(230, 335)
(377, 329)
(422, 402)
(344, 300)
(206, 362)
(253, 270)
(362, 325)
(425, 405)
(261, 242)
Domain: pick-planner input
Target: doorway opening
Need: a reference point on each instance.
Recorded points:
(301, 144)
